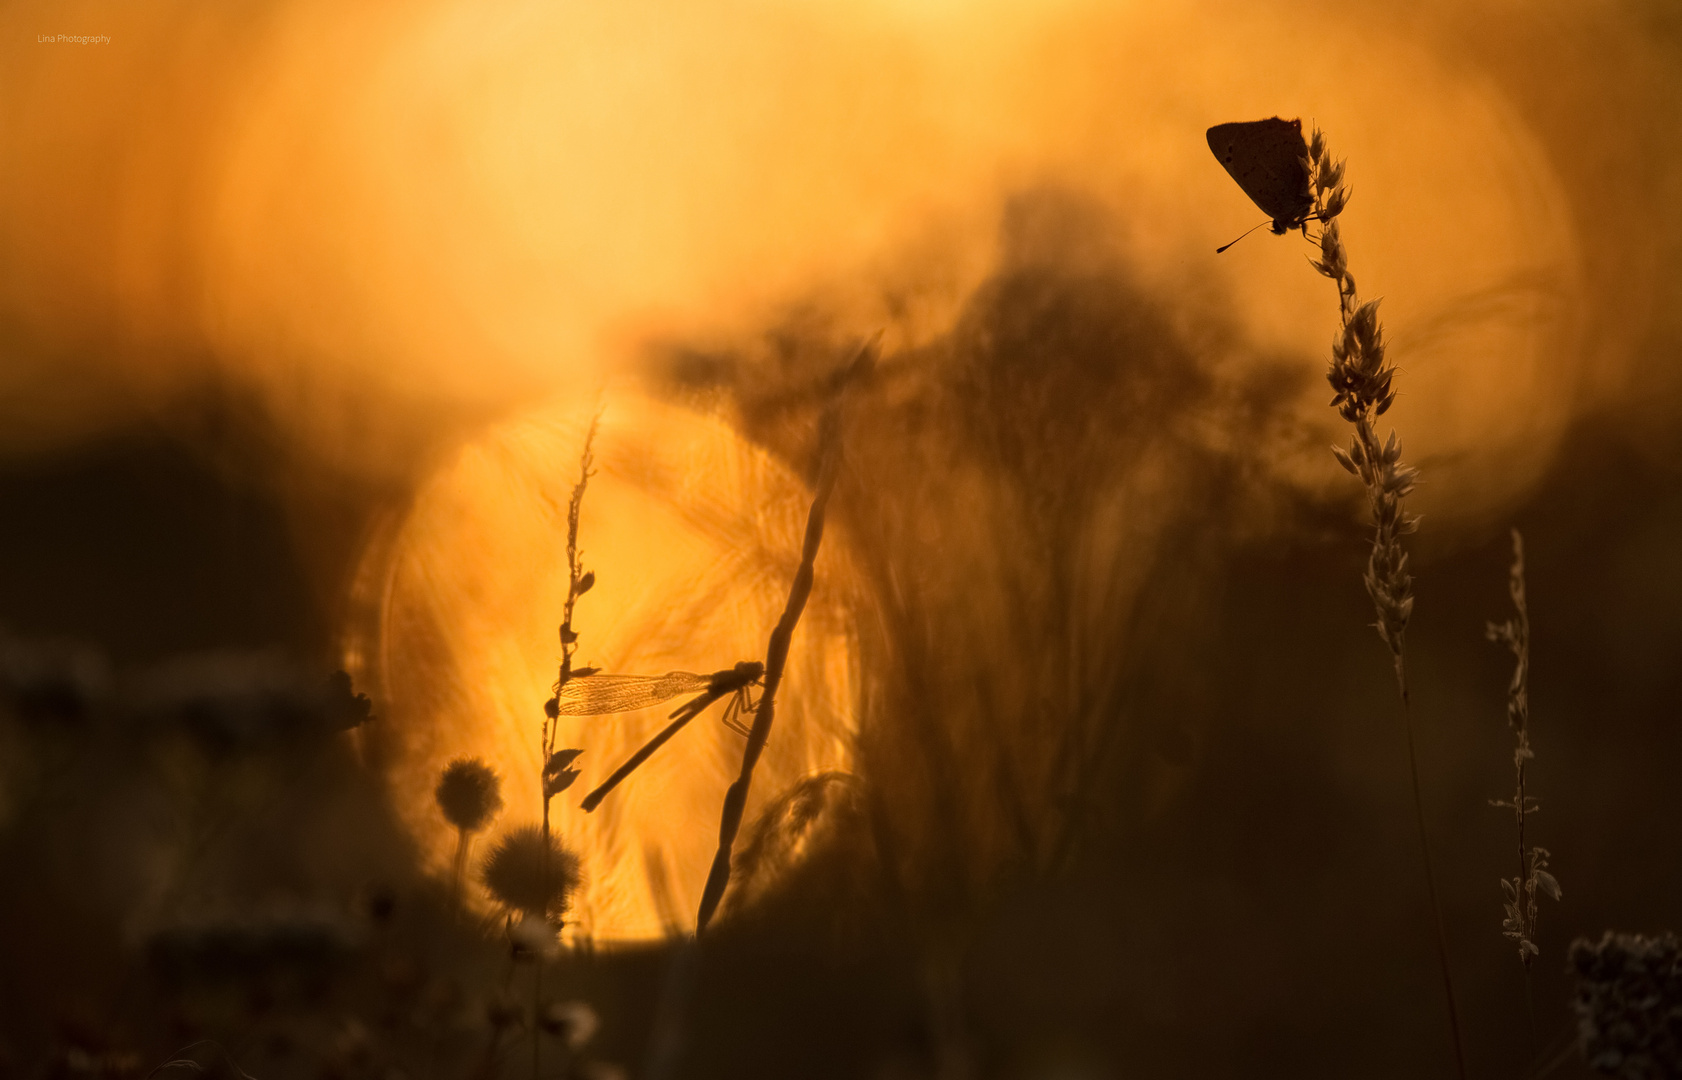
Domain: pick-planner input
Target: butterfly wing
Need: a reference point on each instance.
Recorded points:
(1266, 157)
(598, 695)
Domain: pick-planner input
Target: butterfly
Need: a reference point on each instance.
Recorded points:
(1268, 158)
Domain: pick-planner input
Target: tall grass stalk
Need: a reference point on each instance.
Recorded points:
(1361, 377)
(776, 653)
(1520, 892)
(555, 773)
(682, 975)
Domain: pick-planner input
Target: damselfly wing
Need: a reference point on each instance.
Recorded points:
(598, 695)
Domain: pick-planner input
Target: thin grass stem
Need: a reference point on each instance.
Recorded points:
(579, 582)
(1440, 936)
(1361, 377)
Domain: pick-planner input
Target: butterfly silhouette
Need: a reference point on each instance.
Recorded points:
(1269, 159)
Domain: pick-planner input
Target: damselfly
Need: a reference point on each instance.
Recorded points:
(598, 695)
(595, 695)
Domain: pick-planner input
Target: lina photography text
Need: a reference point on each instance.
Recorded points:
(73, 39)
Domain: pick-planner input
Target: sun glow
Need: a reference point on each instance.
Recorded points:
(693, 536)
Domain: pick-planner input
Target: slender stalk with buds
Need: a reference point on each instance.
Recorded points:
(556, 772)
(1362, 381)
(1533, 876)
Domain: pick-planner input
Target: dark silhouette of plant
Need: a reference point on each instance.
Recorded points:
(1533, 876)
(530, 872)
(343, 707)
(668, 1036)
(555, 870)
(1362, 377)
(469, 793)
(1629, 1004)
(776, 653)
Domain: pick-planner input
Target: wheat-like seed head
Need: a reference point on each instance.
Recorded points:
(1362, 380)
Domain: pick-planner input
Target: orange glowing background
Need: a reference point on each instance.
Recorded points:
(431, 234)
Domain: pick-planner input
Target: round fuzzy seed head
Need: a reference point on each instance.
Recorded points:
(469, 793)
(515, 873)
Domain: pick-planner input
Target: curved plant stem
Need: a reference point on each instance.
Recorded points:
(776, 653)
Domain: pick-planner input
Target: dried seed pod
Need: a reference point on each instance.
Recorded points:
(531, 873)
(469, 793)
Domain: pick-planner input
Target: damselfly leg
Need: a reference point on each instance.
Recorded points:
(741, 702)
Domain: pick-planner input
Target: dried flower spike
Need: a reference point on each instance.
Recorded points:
(1519, 903)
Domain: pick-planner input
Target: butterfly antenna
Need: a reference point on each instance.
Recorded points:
(1223, 247)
